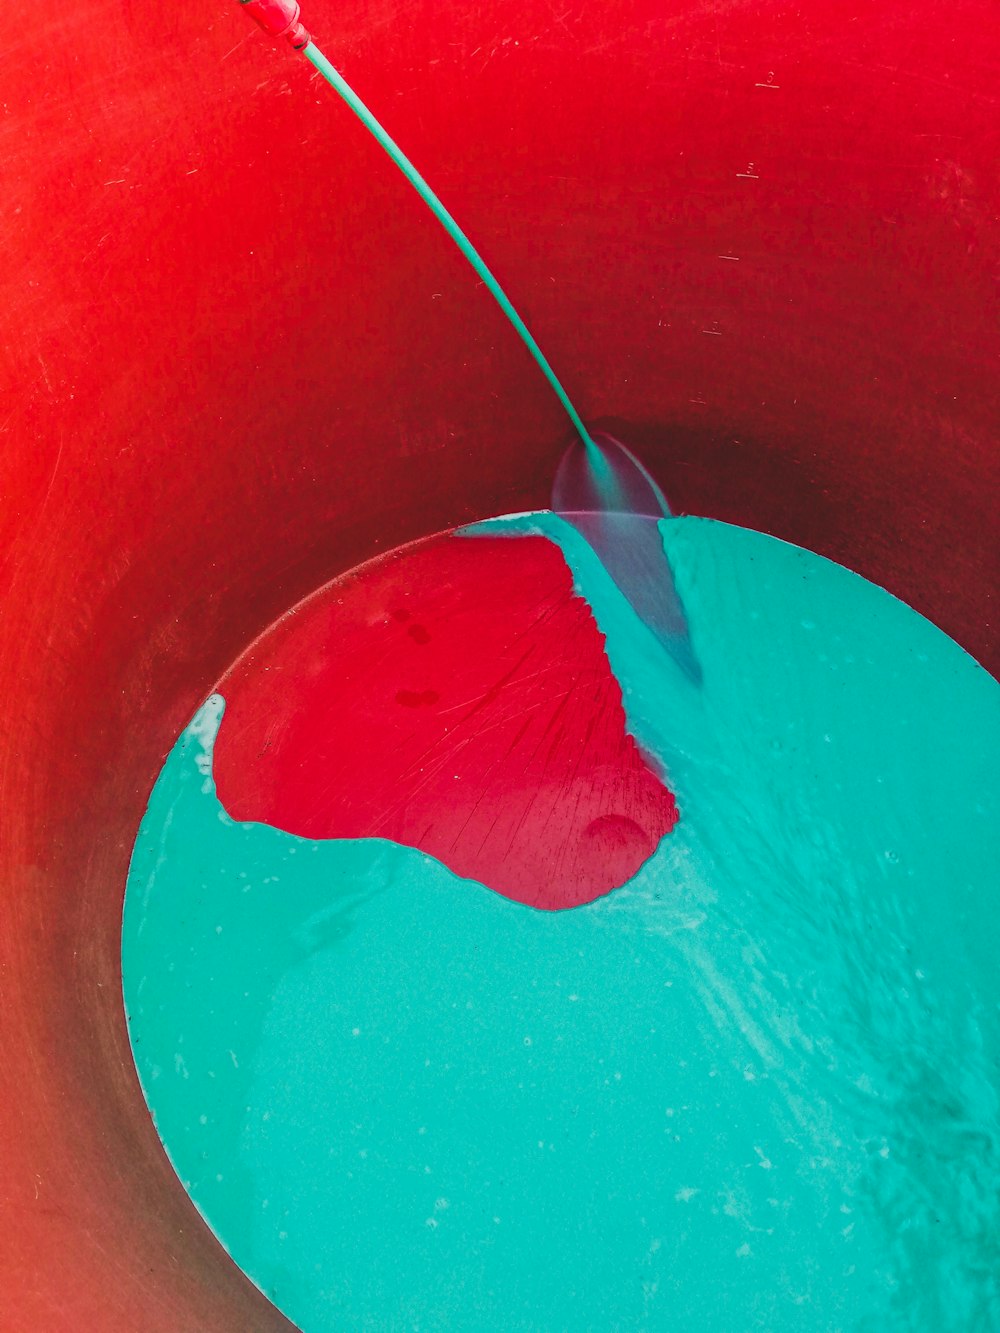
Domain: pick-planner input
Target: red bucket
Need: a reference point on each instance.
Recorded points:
(239, 357)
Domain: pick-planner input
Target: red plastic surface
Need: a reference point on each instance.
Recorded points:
(278, 18)
(758, 243)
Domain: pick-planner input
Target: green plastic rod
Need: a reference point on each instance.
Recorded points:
(337, 81)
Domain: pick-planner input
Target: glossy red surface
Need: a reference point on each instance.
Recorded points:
(279, 19)
(757, 242)
(455, 698)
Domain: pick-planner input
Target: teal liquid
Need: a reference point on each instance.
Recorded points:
(757, 1087)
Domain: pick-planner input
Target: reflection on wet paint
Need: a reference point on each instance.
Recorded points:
(401, 703)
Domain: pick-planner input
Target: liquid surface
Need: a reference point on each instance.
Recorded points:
(402, 703)
(755, 1087)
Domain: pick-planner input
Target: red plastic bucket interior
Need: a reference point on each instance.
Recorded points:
(238, 357)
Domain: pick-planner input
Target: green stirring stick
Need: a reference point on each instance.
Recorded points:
(603, 471)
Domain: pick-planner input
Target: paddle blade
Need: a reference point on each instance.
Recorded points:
(610, 498)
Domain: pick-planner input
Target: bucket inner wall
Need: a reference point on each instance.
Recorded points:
(238, 358)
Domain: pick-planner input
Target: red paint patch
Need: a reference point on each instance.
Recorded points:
(454, 697)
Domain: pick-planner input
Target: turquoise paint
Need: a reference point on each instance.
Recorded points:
(756, 1087)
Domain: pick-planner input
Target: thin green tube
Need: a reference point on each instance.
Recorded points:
(336, 81)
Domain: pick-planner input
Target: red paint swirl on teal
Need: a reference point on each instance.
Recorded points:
(453, 697)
